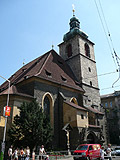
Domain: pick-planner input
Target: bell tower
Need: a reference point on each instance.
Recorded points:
(78, 51)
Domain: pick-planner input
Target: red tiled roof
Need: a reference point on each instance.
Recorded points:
(94, 110)
(75, 105)
(13, 90)
(49, 66)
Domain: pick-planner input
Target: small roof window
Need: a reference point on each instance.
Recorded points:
(63, 78)
(24, 69)
(26, 77)
(48, 73)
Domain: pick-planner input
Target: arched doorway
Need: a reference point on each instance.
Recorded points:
(90, 138)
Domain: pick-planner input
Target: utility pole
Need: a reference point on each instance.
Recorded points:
(3, 143)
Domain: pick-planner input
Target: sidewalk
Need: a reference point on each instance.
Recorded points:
(67, 158)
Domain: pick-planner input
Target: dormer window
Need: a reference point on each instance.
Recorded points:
(26, 77)
(48, 73)
(24, 69)
(69, 50)
(64, 79)
(87, 50)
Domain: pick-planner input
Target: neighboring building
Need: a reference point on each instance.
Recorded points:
(66, 86)
(111, 108)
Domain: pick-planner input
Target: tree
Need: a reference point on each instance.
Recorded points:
(31, 128)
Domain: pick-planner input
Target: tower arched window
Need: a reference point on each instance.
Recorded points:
(46, 107)
(69, 50)
(87, 50)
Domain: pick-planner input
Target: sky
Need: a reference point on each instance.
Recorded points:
(29, 28)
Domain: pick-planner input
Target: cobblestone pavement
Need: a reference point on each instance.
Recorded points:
(71, 158)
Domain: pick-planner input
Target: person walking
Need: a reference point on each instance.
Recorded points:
(22, 154)
(10, 152)
(41, 153)
(102, 153)
(33, 154)
(27, 153)
(108, 151)
(15, 154)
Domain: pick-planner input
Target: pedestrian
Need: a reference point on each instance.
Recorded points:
(15, 154)
(108, 151)
(10, 152)
(19, 155)
(33, 154)
(22, 154)
(42, 153)
(102, 153)
(27, 153)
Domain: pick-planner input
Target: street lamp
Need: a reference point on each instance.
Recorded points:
(3, 143)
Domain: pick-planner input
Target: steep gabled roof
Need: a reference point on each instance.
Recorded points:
(94, 110)
(75, 106)
(49, 66)
(13, 90)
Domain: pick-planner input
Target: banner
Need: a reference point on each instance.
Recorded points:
(7, 111)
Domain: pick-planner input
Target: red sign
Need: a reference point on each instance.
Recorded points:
(7, 111)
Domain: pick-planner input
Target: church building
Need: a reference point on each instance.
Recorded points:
(66, 86)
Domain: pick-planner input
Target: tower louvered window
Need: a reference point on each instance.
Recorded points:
(69, 50)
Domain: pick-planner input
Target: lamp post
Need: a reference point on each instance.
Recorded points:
(3, 143)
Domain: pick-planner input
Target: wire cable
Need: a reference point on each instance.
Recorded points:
(105, 31)
(109, 87)
(103, 74)
(111, 46)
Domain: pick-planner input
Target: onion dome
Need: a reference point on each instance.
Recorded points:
(74, 29)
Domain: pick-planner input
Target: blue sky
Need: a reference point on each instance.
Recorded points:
(28, 28)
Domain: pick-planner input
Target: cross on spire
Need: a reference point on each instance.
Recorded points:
(73, 6)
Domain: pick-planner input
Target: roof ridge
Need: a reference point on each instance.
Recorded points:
(44, 63)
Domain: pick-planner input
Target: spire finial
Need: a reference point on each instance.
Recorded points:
(52, 46)
(23, 62)
(73, 6)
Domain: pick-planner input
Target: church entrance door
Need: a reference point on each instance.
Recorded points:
(90, 138)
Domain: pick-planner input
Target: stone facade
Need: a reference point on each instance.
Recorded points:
(84, 67)
(67, 85)
(111, 107)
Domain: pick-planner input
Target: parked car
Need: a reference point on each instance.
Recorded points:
(116, 151)
(87, 152)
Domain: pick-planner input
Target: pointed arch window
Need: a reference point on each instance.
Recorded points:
(87, 50)
(69, 50)
(74, 100)
(46, 107)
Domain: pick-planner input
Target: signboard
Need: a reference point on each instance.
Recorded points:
(7, 111)
(3, 147)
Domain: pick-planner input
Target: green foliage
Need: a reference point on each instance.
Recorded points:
(31, 128)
